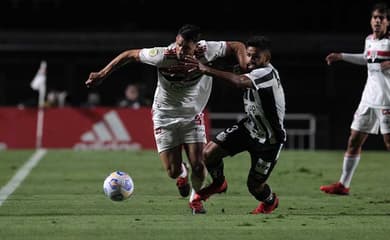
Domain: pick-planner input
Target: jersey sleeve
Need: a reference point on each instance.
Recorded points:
(214, 49)
(152, 56)
(260, 77)
(355, 58)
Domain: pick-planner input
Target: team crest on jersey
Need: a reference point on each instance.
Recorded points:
(153, 52)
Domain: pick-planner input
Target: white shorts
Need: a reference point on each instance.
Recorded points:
(371, 120)
(175, 134)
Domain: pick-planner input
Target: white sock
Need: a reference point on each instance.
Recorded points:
(192, 195)
(183, 171)
(349, 165)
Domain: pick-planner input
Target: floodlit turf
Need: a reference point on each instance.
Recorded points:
(62, 198)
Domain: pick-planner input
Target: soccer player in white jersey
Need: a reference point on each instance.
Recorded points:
(373, 112)
(261, 133)
(179, 100)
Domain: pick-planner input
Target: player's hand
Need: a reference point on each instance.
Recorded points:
(95, 79)
(385, 65)
(333, 57)
(194, 64)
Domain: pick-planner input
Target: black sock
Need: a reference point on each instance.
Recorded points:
(216, 172)
(270, 199)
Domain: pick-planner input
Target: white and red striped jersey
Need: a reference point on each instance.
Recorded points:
(180, 95)
(377, 89)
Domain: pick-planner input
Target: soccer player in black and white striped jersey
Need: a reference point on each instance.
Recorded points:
(261, 133)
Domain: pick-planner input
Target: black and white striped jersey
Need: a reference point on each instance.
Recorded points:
(265, 106)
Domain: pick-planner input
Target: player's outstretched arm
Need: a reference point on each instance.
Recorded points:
(239, 81)
(239, 50)
(96, 78)
(354, 58)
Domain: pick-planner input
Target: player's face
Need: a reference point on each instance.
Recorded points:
(379, 23)
(256, 58)
(184, 47)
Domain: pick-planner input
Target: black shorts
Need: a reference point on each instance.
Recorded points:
(236, 139)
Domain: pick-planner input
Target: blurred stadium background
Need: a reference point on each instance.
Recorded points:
(62, 196)
(77, 37)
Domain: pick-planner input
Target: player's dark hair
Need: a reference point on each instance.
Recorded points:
(260, 42)
(382, 8)
(190, 32)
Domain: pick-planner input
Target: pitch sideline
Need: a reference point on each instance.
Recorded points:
(20, 175)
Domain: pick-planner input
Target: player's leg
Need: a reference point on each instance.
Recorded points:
(213, 157)
(386, 140)
(350, 162)
(173, 164)
(195, 158)
(170, 148)
(200, 194)
(263, 161)
(198, 175)
(194, 137)
(365, 121)
(228, 142)
(352, 156)
(384, 115)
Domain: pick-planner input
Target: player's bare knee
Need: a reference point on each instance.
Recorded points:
(207, 154)
(353, 147)
(387, 145)
(210, 153)
(198, 169)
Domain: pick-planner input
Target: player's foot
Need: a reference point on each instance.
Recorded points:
(211, 189)
(335, 188)
(183, 185)
(265, 208)
(197, 206)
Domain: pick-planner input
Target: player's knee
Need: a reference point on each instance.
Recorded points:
(207, 154)
(387, 145)
(210, 153)
(198, 169)
(354, 145)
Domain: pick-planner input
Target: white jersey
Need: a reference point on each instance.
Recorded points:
(180, 96)
(376, 92)
(265, 106)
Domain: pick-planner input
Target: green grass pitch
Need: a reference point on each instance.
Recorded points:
(62, 198)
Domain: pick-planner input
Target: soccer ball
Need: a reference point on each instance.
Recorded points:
(118, 186)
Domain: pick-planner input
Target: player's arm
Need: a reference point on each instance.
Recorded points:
(96, 78)
(347, 57)
(239, 50)
(239, 81)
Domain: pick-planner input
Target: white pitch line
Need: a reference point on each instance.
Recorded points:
(20, 175)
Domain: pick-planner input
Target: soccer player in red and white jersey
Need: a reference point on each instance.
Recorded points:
(261, 133)
(179, 100)
(373, 112)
